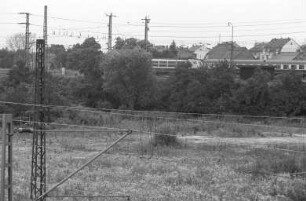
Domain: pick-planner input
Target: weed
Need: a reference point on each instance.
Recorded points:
(165, 136)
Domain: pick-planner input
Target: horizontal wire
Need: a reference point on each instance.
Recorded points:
(164, 118)
(89, 196)
(106, 110)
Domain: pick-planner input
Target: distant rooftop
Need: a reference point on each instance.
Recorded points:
(223, 51)
(276, 44)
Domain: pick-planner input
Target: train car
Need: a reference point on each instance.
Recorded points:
(174, 63)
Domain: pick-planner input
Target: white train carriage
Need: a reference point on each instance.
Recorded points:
(173, 63)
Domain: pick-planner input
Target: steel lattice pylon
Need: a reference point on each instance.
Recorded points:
(38, 172)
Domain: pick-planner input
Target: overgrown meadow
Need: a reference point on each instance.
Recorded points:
(169, 158)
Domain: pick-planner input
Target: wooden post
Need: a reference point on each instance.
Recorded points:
(7, 159)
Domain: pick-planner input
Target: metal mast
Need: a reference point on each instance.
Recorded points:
(147, 21)
(46, 25)
(232, 44)
(45, 31)
(110, 31)
(27, 40)
(38, 172)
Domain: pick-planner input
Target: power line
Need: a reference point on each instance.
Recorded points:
(222, 23)
(106, 110)
(157, 117)
(227, 36)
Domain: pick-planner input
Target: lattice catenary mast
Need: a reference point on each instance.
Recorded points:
(38, 171)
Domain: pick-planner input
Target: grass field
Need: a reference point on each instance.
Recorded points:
(207, 162)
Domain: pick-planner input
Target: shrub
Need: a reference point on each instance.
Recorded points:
(165, 136)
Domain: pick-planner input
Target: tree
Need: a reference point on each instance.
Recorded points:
(288, 93)
(85, 58)
(199, 90)
(173, 48)
(131, 43)
(17, 41)
(60, 55)
(253, 96)
(169, 53)
(119, 44)
(6, 58)
(129, 79)
(17, 87)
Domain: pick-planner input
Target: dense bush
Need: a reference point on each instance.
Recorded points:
(165, 136)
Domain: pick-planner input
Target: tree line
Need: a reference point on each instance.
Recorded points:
(123, 79)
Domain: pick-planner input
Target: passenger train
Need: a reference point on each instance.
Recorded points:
(173, 63)
(276, 64)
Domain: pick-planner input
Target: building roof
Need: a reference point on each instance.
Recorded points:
(285, 56)
(258, 47)
(300, 57)
(276, 44)
(223, 51)
(184, 53)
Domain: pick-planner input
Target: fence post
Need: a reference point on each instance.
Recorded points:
(7, 159)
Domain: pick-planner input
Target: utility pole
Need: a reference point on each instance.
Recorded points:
(147, 21)
(27, 40)
(232, 43)
(6, 193)
(45, 31)
(110, 31)
(45, 26)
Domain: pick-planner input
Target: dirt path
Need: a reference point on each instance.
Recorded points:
(295, 139)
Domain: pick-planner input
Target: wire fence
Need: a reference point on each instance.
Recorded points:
(257, 146)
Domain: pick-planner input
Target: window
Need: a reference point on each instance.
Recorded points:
(285, 67)
(293, 67)
(301, 67)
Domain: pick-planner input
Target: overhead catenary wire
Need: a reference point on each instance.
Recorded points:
(163, 118)
(111, 111)
(192, 25)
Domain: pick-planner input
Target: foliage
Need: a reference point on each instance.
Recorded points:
(200, 90)
(131, 43)
(58, 56)
(288, 93)
(17, 87)
(169, 53)
(252, 96)
(165, 136)
(6, 58)
(173, 48)
(17, 41)
(85, 57)
(129, 79)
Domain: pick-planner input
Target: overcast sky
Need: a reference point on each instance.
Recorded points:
(186, 22)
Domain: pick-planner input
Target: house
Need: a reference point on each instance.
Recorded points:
(223, 51)
(258, 49)
(286, 47)
(160, 48)
(200, 51)
(185, 53)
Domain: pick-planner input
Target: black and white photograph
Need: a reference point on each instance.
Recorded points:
(153, 100)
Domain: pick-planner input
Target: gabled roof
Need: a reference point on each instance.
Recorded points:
(223, 51)
(285, 56)
(258, 47)
(184, 53)
(300, 57)
(276, 44)
(194, 48)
